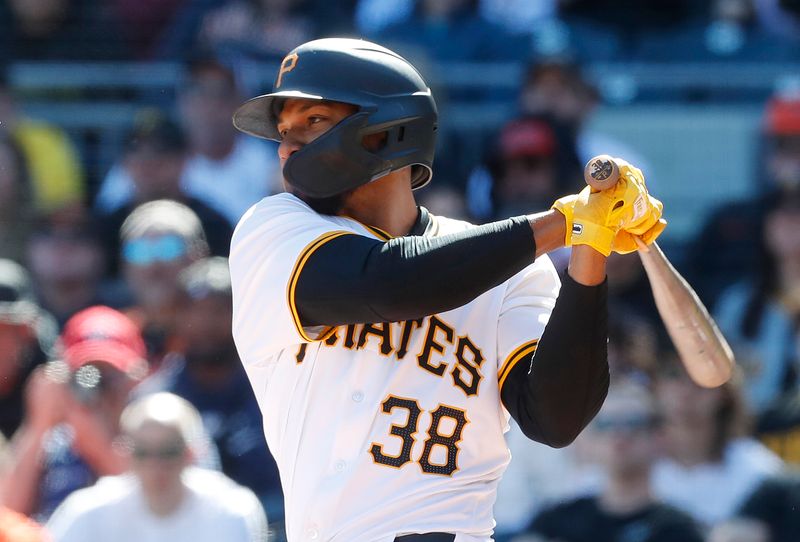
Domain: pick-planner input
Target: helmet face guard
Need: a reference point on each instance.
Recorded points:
(391, 97)
(335, 162)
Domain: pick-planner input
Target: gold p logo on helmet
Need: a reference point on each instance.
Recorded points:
(287, 65)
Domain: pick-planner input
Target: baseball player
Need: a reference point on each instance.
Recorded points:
(387, 347)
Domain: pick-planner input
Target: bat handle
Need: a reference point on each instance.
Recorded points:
(641, 244)
(601, 172)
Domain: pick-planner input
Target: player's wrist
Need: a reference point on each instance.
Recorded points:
(587, 266)
(549, 231)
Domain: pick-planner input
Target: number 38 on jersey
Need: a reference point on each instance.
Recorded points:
(439, 449)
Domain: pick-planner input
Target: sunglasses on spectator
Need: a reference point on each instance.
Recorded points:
(631, 424)
(149, 250)
(162, 453)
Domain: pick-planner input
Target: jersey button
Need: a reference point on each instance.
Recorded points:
(340, 465)
(358, 396)
(312, 533)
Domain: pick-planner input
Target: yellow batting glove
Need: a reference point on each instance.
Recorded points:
(624, 242)
(586, 219)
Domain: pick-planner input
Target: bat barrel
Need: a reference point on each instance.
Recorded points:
(601, 172)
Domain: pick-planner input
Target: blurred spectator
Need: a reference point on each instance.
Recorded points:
(779, 17)
(210, 376)
(709, 465)
(15, 527)
(26, 335)
(254, 30)
(163, 498)
(261, 28)
(722, 253)
(742, 530)
(518, 16)
(526, 169)
(443, 200)
(66, 260)
(631, 16)
(624, 437)
(632, 344)
(16, 200)
(778, 427)
(225, 169)
(529, 28)
(59, 30)
(448, 31)
(774, 505)
(629, 292)
(728, 32)
(155, 158)
(145, 21)
(556, 88)
(759, 316)
(159, 240)
(69, 435)
(539, 476)
(52, 164)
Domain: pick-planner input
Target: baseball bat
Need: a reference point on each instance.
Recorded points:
(705, 353)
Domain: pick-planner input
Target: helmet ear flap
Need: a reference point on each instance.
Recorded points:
(420, 176)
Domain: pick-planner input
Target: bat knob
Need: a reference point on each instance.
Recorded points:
(601, 172)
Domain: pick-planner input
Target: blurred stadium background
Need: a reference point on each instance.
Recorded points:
(699, 93)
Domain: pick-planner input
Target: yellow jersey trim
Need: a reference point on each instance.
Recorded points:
(298, 267)
(520, 353)
(377, 232)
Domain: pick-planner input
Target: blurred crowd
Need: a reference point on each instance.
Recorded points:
(122, 398)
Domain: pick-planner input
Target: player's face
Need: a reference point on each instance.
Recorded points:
(301, 121)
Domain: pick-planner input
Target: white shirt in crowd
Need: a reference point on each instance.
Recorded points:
(539, 476)
(231, 185)
(712, 492)
(215, 510)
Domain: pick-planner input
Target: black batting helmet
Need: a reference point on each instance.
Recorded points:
(391, 97)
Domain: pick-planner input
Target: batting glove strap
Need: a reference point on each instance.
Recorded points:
(580, 231)
(598, 237)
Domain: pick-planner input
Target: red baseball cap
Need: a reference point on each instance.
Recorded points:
(527, 137)
(102, 334)
(783, 116)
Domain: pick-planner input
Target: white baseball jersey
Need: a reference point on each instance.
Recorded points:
(379, 429)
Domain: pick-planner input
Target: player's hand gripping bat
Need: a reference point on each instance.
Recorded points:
(704, 351)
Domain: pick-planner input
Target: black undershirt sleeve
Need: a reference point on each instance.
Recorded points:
(554, 395)
(354, 279)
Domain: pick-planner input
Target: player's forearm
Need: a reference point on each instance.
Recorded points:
(556, 395)
(587, 266)
(549, 231)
